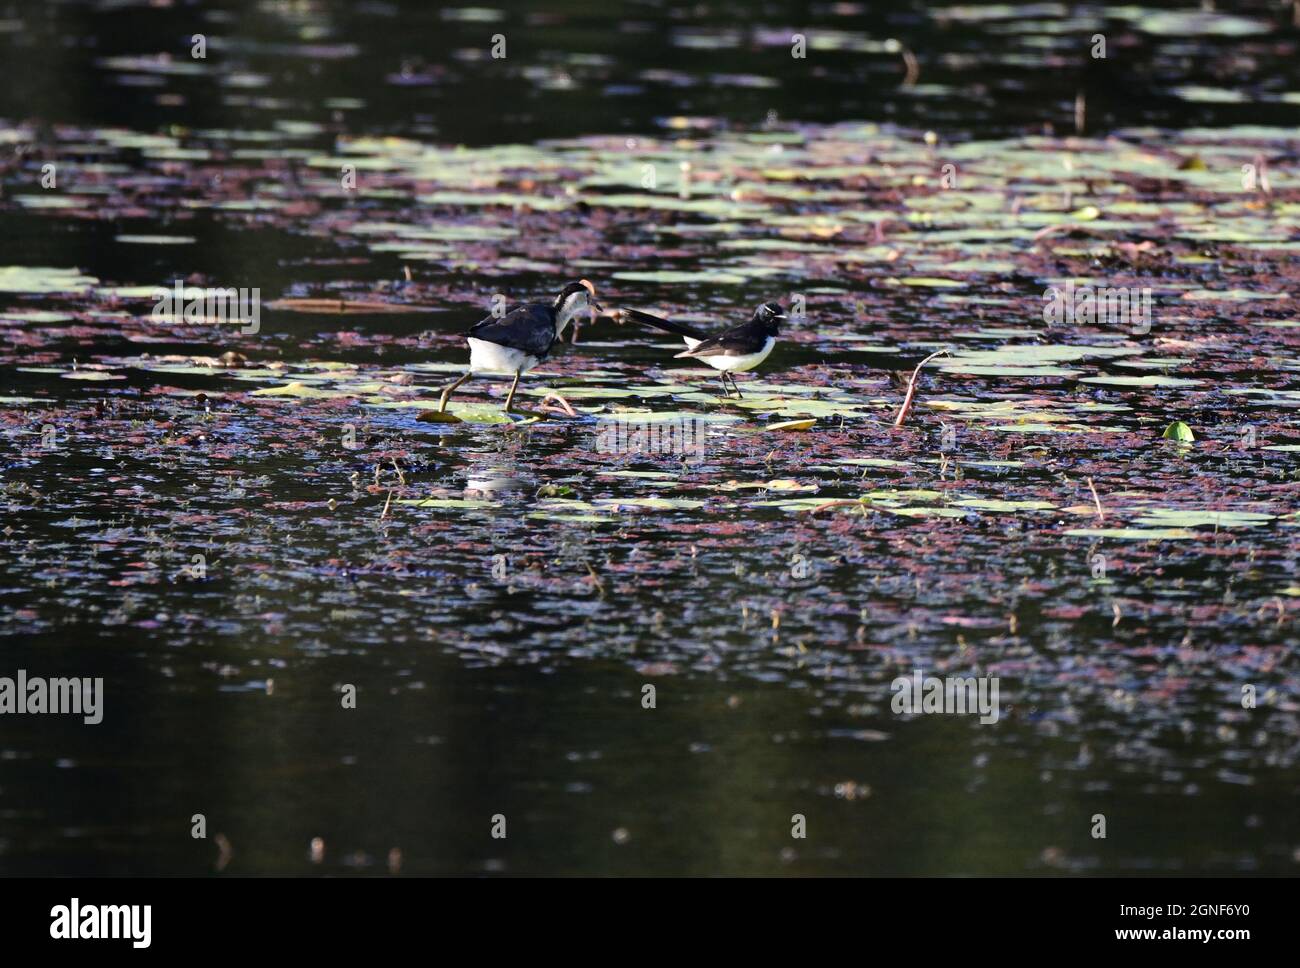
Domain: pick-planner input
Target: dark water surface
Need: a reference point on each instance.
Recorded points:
(500, 626)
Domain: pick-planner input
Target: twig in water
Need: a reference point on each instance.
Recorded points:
(555, 396)
(384, 513)
(224, 852)
(1097, 501)
(600, 585)
(841, 503)
(1261, 166)
(911, 388)
(913, 68)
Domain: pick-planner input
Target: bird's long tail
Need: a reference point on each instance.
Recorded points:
(667, 325)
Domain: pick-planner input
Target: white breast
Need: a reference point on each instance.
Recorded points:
(485, 357)
(739, 364)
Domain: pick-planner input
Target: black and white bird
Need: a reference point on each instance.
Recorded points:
(736, 350)
(523, 338)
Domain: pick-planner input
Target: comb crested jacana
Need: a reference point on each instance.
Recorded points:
(523, 338)
(735, 350)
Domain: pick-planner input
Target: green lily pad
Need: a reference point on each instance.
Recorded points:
(1134, 534)
(1175, 518)
(155, 239)
(37, 279)
(993, 504)
(94, 376)
(447, 502)
(650, 503)
(873, 462)
(299, 390)
(1141, 381)
(34, 316)
(926, 512)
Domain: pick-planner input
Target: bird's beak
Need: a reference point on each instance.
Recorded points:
(593, 306)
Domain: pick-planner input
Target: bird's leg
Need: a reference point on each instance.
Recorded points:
(739, 395)
(726, 390)
(510, 399)
(446, 394)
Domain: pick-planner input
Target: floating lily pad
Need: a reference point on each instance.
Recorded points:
(94, 376)
(448, 502)
(341, 306)
(155, 239)
(1134, 534)
(650, 503)
(1176, 518)
(34, 316)
(1141, 381)
(32, 279)
(300, 390)
(994, 504)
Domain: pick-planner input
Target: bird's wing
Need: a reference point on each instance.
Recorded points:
(667, 325)
(529, 328)
(743, 339)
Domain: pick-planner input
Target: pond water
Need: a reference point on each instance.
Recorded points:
(354, 639)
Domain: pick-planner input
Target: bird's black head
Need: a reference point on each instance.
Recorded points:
(574, 299)
(771, 316)
(576, 294)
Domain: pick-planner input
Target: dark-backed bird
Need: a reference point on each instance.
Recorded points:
(523, 337)
(736, 350)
